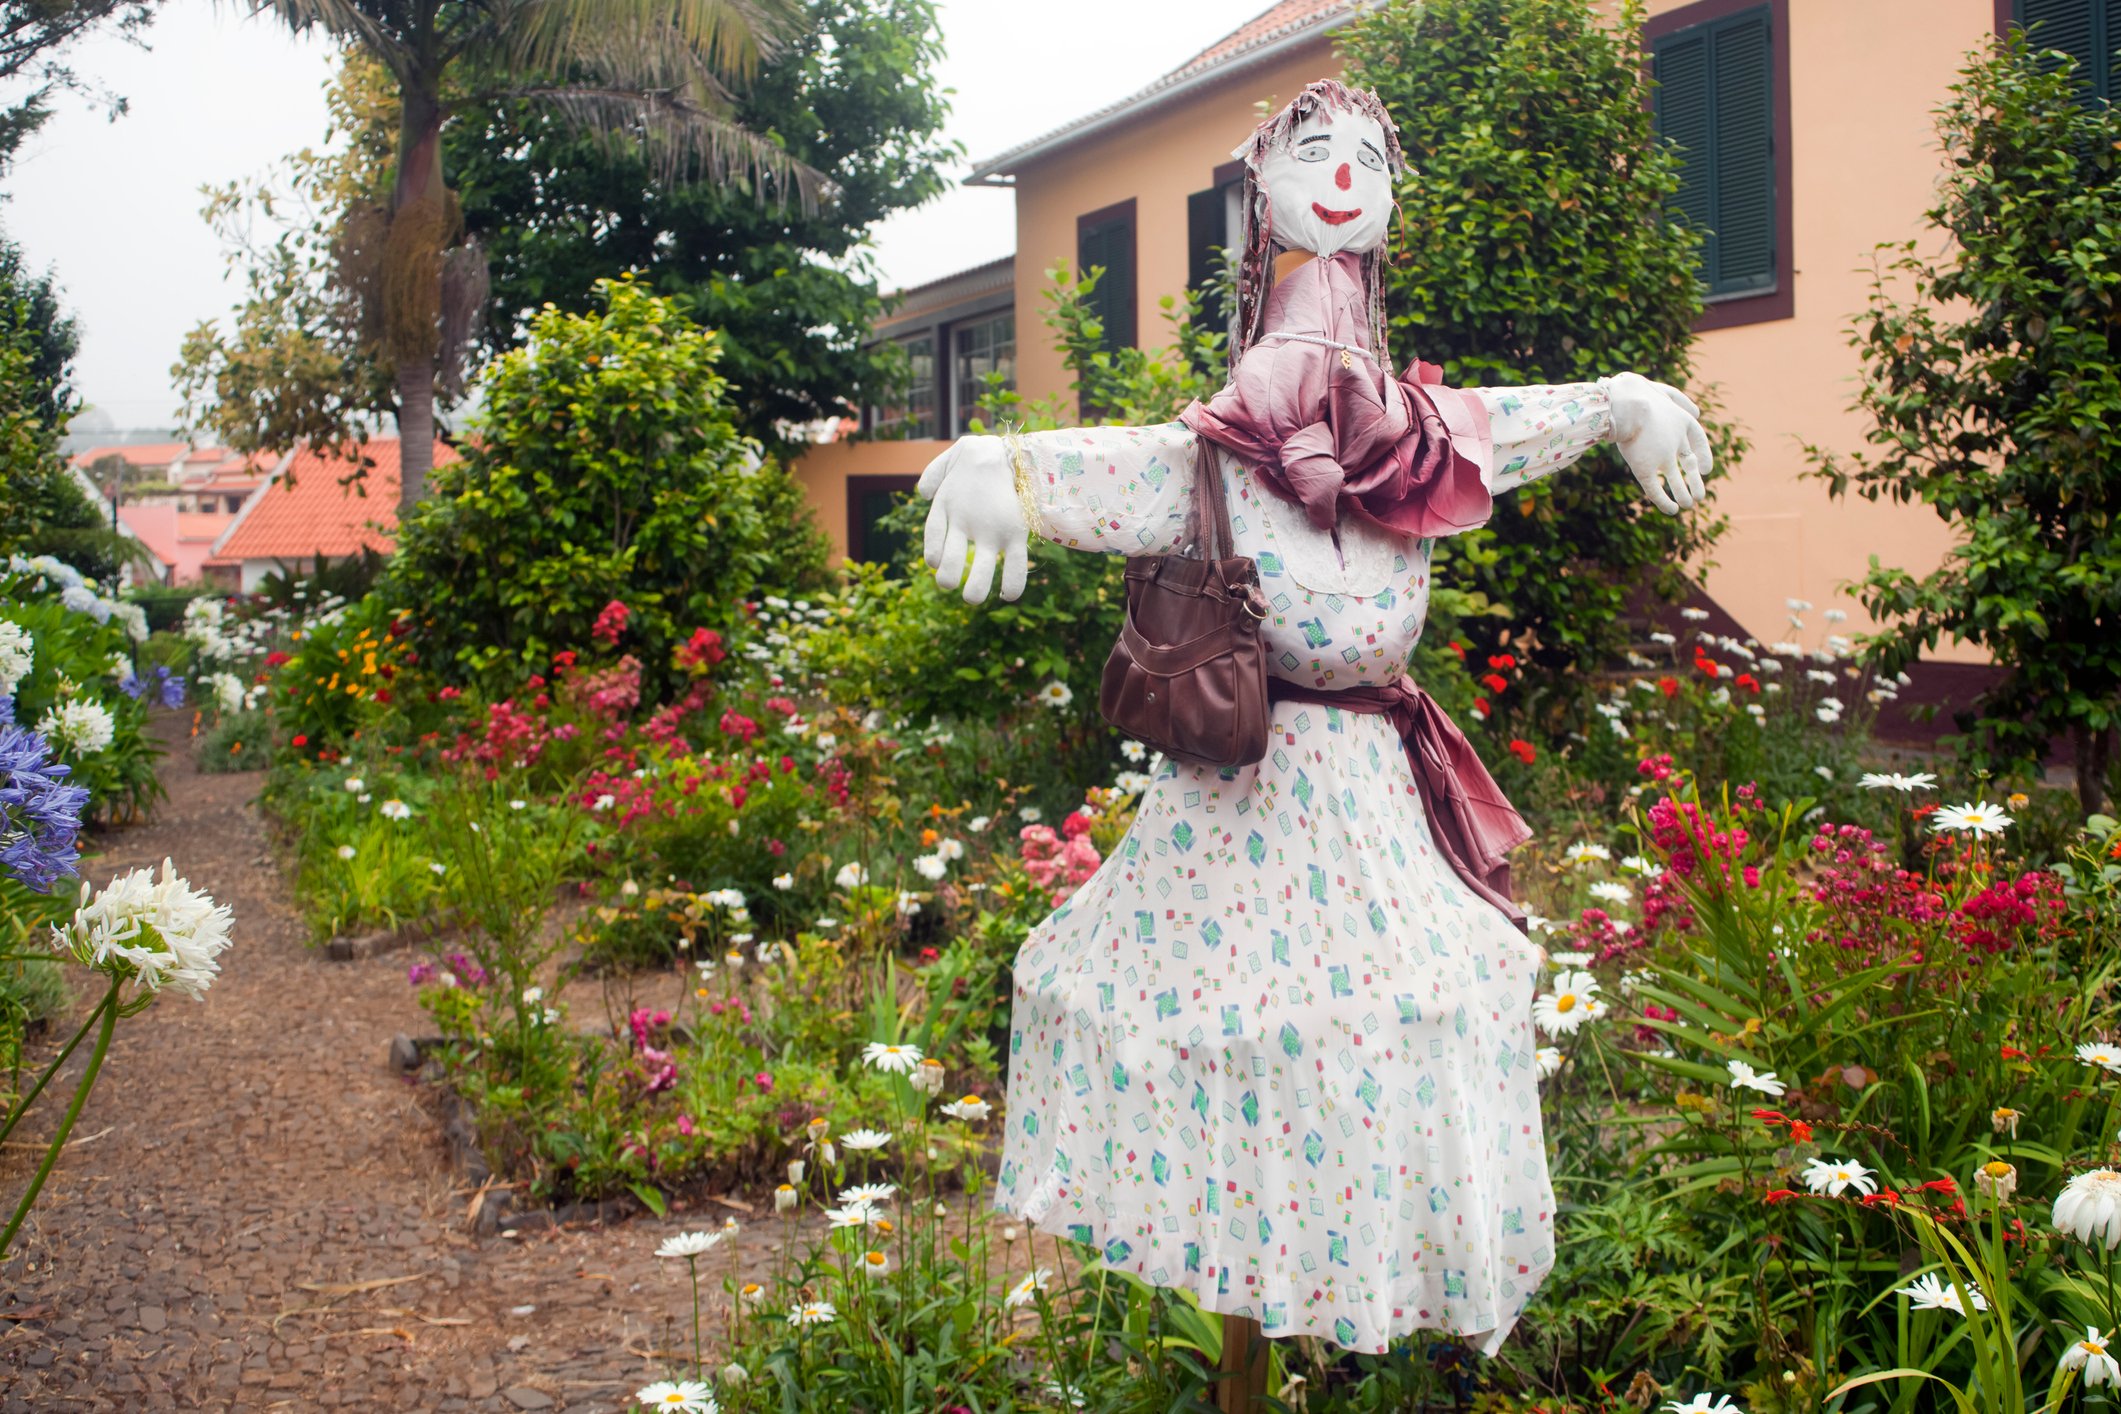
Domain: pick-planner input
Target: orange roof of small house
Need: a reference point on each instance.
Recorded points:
(151, 453)
(1257, 40)
(304, 510)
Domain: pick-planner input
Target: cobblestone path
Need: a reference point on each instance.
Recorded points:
(255, 1212)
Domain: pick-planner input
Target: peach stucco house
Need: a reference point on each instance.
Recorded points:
(1823, 151)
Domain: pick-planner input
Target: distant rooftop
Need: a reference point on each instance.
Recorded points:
(1264, 37)
(995, 277)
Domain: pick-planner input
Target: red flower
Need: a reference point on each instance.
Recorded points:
(1668, 686)
(1503, 661)
(1076, 825)
(1779, 1195)
(1524, 751)
(1771, 1118)
(611, 622)
(2009, 1052)
(275, 658)
(1494, 682)
(1480, 707)
(1748, 682)
(1885, 1197)
(1459, 649)
(301, 740)
(450, 694)
(1940, 1185)
(564, 658)
(1800, 1132)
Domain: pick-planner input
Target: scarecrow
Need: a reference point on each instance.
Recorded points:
(1278, 1052)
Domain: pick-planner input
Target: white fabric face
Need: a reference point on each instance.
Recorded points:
(1330, 188)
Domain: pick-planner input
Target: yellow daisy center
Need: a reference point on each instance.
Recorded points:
(1565, 1002)
(1995, 1168)
(2092, 1348)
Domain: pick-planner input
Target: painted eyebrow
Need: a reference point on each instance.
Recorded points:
(1315, 137)
(1373, 147)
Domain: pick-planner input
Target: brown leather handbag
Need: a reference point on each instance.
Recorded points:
(1188, 675)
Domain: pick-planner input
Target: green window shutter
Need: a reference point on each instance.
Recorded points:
(1109, 243)
(2086, 30)
(1715, 103)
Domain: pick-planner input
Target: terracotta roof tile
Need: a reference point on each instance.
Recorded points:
(305, 511)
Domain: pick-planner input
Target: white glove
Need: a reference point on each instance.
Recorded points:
(974, 491)
(1658, 431)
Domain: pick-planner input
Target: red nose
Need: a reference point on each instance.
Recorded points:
(1343, 178)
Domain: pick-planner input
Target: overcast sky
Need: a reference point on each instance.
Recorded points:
(113, 207)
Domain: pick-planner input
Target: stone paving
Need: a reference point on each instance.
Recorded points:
(256, 1213)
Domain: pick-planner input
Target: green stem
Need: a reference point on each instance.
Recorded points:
(108, 1008)
(692, 1265)
(14, 1116)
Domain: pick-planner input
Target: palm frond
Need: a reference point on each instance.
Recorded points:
(732, 37)
(680, 137)
(343, 19)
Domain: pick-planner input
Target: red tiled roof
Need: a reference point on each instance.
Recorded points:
(155, 527)
(1286, 20)
(143, 453)
(305, 511)
(202, 525)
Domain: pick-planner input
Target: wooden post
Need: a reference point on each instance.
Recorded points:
(1244, 1364)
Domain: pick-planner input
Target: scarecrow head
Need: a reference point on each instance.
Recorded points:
(1318, 177)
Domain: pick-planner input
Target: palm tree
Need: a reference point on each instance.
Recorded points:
(654, 73)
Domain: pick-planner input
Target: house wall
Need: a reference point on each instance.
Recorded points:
(1864, 79)
(1157, 161)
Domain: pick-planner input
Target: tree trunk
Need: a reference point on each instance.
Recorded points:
(2095, 755)
(418, 186)
(416, 432)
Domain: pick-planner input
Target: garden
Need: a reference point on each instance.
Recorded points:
(707, 860)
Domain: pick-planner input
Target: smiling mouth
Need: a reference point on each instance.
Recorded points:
(1334, 218)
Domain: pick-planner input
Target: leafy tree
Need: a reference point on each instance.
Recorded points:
(43, 511)
(651, 74)
(33, 36)
(792, 292)
(1993, 389)
(607, 466)
(1536, 249)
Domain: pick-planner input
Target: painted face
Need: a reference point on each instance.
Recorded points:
(1329, 187)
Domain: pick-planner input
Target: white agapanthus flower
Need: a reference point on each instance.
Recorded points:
(2090, 1355)
(162, 932)
(18, 654)
(133, 619)
(2089, 1208)
(79, 726)
(227, 689)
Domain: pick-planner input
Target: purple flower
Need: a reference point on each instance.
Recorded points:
(172, 687)
(39, 814)
(420, 973)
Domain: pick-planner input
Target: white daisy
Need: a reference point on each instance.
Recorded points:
(2089, 1208)
(1605, 891)
(1836, 1177)
(677, 1396)
(395, 810)
(688, 1244)
(1584, 852)
(1977, 818)
(1893, 780)
(784, 881)
(1055, 694)
(863, 1141)
(1549, 1060)
(1704, 1404)
(1568, 1006)
(2102, 1055)
(1027, 1290)
(867, 1195)
(1929, 1292)
(889, 1058)
(851, 876)
(812, 1313)
(2090, 1355)
(972, 1109)
(1745, 1077)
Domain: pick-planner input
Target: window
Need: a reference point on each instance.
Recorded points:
(916, 416)
(869, 500)
(2089, 31)
(983, 347)
(1212, 223)
(1106, 238)
(1716, 102)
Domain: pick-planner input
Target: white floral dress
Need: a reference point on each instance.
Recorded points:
(1273, 1052)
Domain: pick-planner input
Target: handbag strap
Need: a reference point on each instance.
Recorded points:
(1220, 541)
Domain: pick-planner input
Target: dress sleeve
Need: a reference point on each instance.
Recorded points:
(1542, 429)
(1114, 490)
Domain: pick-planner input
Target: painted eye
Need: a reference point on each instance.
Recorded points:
(1313, 152)
(1370, 159)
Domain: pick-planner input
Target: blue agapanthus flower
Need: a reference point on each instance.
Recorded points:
(167, 686)
(40, 815)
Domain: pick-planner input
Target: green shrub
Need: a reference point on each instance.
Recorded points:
(606, 468)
